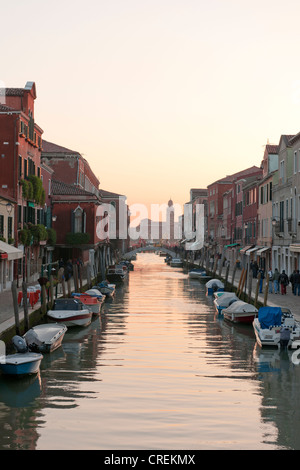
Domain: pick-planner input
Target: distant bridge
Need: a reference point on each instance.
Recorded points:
(129, 254)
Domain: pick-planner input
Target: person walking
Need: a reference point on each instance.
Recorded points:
(262, 276)
(270, 274)
(292, 280)
(276, 281)
(283, 281)
(297, 283)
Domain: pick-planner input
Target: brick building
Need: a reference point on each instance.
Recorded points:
(20, 163)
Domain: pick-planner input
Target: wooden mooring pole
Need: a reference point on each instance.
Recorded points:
(16, 306)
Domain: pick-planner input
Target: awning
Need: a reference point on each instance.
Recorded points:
(232, 244)
(195, 246)
(295, 247)
(11, 251)
(248, 252)
(262, 250)
(243, 250)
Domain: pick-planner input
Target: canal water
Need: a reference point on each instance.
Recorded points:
(159, 370)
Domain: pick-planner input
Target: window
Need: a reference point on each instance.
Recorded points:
(281, 173)
(9, 227)
(1, 225)
(20, 167)
(295, 162)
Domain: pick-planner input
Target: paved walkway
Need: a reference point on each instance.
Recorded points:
(7, 317)
(289, 300)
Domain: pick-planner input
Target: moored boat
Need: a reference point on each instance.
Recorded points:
(71, 312)
(196, 273)
(270, 323)
(93, 302)
(45, 338)
(106, 288)
(214, 285)
(176, 263)
(224, 300)
(21, 363)
(116, 273)
(240, 312)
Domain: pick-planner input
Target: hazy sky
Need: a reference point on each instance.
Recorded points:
(160, 96)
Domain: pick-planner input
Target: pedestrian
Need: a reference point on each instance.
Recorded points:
(292, 280)
(283, 281)
(270, 274)
(255, 269)
(262, 276)
(297, 283)
(276, 281)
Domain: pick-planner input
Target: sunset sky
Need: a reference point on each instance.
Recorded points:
(160, 96)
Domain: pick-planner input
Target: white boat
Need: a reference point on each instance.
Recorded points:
(116, 273)
(21, 363)
(214, 285)
(270, 323)
(92, 301)
(240, 312)
(197, 273)
(176, 262)
(71, 312)
(107, 289)
(45, 338)
(224, 300)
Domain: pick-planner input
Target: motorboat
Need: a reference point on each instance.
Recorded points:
(93, 302)
(22, 362)
(196, 273)
(176, 263)
(45, 338)
(116, 273)
(214, 285)
(224, 300)
(240, 312)
(269, 324)
(107, 289)
(71, 312)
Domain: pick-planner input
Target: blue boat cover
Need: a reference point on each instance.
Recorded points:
(269, 316)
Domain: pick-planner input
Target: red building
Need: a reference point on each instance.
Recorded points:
(215, 222)
(20, 163)
(69, 166)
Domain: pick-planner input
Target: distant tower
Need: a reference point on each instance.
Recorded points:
(170, 220)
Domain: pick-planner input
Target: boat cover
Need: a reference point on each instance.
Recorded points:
(213, 282)
(269, 316)
(241, 307)
(226, 300)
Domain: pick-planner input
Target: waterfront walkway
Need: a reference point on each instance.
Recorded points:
(289, 300)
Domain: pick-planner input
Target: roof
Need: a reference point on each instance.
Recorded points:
(109, 194)
(273, 149)
(239, 174)
(49, 147)
(294, 138)
(59, 188)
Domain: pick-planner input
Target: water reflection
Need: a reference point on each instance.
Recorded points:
(160, 369)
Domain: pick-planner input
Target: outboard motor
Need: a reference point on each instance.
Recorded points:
(20, 344)
(285, 335)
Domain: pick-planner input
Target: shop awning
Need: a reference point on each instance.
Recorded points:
(243, 250)
(196, 246)
(295, 248)
(232, 244)
(11, 251)
(255, 248)
(263, 250)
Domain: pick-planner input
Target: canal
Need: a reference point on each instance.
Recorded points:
(159, 370)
